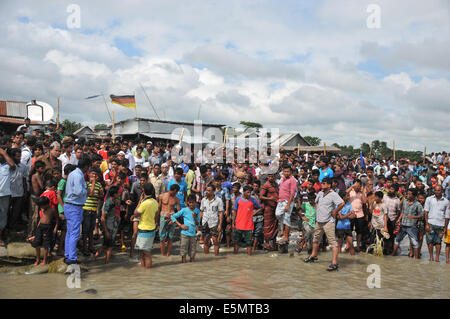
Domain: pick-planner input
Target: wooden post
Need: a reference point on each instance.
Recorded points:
(298, 150)
(324, 148)
(57, 115)
(370, 153)
(394, 149)
(424, 153)
(113, 131)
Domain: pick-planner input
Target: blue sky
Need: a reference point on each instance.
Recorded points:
(312, 66)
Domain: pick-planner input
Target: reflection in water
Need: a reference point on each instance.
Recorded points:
(240, 276)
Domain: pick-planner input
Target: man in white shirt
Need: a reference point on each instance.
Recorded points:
(67, 157)
(437, 214)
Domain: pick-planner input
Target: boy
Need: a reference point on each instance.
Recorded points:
(95, 193)
(258, 218)
(183, 186)
(45, 231)
(243, 221)
(412, 211)
(379, 219)
(147, 213)
(167, 204)
(37, 187)
(110, 223)
(191, 219)
(211, 215)
(343, 228)
(308, 216)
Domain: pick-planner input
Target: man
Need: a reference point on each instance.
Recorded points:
(211, 216)
(18, 188)
(325, 171)
(269, 197)
(51, 160)
(17, 140)
(393, 208)
(156, 179)
(288, 189)
(155, 158)
(224, 194)
(437, 213)
(76, 194)
(67, 157)
(129, 156)
(7, 166)
(328, 203)
(165, 175)
(411, 212)
(357, 197)
(26, 125)
(183, 187)
(168, 204)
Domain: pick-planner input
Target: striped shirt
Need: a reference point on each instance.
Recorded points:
(92, 202)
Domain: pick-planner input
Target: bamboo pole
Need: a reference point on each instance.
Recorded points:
(181, 136)
(371, 145)
(113, 130)
(324, 148)
(298, 150)
(57, 115)
(424, 153)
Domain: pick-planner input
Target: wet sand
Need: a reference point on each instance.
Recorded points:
(262, 275)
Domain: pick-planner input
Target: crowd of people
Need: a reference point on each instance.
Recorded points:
(68, 192)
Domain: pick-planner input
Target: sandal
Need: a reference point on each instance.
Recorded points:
(333, 267)
(311, 259)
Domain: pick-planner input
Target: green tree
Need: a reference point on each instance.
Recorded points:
(70, 127)
(101, 127)
(250, 124)
(313, 140)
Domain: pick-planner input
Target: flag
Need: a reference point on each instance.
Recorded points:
(362, 160)
(124, 100)
(92, 97)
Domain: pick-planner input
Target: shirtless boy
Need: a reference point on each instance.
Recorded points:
(166, 208)
(44, 231)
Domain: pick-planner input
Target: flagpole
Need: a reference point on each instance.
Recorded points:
(149, 101)
(107, 108)
(113, 131)
(135, 104)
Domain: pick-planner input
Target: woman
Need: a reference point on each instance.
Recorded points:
(269, 197)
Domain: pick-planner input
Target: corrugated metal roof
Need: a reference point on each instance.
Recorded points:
(170, 122)
(176, 137)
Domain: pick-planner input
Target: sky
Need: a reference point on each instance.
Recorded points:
(320, 68)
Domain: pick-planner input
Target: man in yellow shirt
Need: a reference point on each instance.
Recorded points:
(146, 212)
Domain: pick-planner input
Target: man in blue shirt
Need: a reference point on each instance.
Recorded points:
(76, 194)
(325, 171)
(183, 186)
(6, 166)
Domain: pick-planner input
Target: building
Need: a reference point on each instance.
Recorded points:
(13, 114)
(163, 131)
(85, 132)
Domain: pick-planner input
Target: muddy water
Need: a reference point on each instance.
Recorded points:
(263, 275)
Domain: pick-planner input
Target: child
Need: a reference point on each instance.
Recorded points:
(110, 222)
(191, 220)
(125, 202)
(379, 216)
(146, 212)
(258, 218)
(308, 215)
(447, 242)
(343, 228)
(61, 195)
(243, 221)
(37, 186)
(45, 231)
(95, 193)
